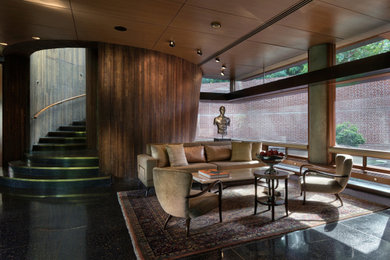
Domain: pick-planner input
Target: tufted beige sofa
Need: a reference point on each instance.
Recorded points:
(148, 161)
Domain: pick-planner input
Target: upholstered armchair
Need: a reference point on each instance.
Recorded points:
(173, 190)
(316, 181)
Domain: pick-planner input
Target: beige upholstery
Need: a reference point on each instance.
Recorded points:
(176, 154)
(228, 165)
(173, 191)
(316, 181)
(194, 167)
(241, 152)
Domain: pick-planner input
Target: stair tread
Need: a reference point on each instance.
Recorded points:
(48, 167)
(60, 144)
(58, 154)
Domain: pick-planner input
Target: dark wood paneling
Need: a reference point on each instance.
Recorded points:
(56, 74)
(91, 90)
(15, 107)
(144, 96)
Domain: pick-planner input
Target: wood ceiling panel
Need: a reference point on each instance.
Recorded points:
(197, 19)
(20, 20)
(291, 37)
(187, 42)
(261, 10)
(212, 69)
(95, 28)
(159, 12)
(331, 20)
(376, 8)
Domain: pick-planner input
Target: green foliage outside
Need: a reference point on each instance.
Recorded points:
(206, 80)
(365, 51)
(347, 134)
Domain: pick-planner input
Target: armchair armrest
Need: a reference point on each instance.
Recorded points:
(323, 174)
(304, 166)
(211, 185)
(145, 165)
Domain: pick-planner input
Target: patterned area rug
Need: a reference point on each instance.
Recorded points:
(145, 220)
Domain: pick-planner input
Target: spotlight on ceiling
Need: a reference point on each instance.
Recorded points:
(217, 59)
(172, 44)
(199, 52)
(36, 38)
(120, 28)
(223, 67)
(222, 73)
(3, 43)
(215, 25)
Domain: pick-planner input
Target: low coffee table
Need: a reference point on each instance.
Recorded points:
(237, 177)
(270, 200)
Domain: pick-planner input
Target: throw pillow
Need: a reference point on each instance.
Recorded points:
(241, 152)
(159, 152)
(195, 154)
(256, 148)
(218, 153)
(176, 155)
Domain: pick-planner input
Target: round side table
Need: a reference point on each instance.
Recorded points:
(270, 199)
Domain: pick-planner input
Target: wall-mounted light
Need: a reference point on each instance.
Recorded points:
(217, 59)
(199, 52)
(36, 38)
(172, 44)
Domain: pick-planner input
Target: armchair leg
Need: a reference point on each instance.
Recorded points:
(304, 197)
(167, 220)
(147, 191)
(339, 198)
(188, 220)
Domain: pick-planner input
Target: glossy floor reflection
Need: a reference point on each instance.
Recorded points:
(92, 227)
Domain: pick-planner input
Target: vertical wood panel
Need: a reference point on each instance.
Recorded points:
(56, 74)
(144, 96)
(15, 108)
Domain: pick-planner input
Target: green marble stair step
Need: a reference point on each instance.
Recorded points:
(21, 169)
(57, 139)
(79, 123)
(72, 128)
(63, 159)
(67, 133)
(58, 147)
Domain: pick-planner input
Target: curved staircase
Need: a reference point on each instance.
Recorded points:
(59, 165)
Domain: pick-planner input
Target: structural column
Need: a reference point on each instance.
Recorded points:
(321, 105)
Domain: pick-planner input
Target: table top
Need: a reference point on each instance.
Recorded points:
(280, 174)
(235, 175)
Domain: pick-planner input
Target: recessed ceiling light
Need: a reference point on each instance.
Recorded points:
(36, 38)
(215, 25)
(199, 52)
(172, 44)
(120, 28)
(217, 59)
(3, 43)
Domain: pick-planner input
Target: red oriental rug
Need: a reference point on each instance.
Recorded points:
(145, 220)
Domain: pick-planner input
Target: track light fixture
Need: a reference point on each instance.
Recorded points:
(222, 73)
(199, 52)
(217, 59)
(223, 67)
(215, 25)
(172, 44)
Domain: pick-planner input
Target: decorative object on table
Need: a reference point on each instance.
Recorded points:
(222, 122)
(213, 173)
(271, 157)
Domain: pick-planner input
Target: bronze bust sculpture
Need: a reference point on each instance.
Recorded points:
(222, 122)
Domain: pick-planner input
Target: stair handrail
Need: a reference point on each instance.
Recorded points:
(57, 103)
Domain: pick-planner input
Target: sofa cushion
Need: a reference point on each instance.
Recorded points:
(241, 152)
(227, 165)
(194, 167)
(218, 153)
(159, 152)
(256, 148)
(195, 154)
(176, 155)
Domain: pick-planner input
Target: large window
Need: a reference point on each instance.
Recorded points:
(215, 85)
(281, 118)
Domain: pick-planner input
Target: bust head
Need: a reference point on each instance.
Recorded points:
(222, 110)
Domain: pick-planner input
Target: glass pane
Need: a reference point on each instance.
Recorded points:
(376, 162)
(363, 115)
(298, 152)
(281, 118)
(215, 85)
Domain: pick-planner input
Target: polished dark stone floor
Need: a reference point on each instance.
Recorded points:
(92, 227)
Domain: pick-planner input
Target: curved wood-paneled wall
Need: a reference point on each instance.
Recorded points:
(144, 96)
